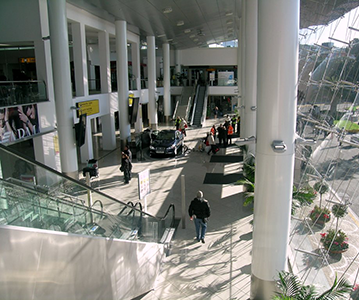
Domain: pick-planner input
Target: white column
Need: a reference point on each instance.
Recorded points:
(239, 73)
(151, 62)
(122, 80)
(278, 29)
(80, 59)
(105, 70)
(166, 81)
(107, 121)
(242, 44)
(62, 86)
(250, 70)
(86, 149)
(44, 145)
(136, 69)
(108, 131)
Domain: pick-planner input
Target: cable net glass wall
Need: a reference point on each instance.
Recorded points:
(324, 237)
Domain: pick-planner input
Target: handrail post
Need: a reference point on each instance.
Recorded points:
(89, 194)
(183, 194)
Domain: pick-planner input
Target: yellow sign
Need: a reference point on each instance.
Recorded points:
(130, 98)
(88, 107)
(27, 60)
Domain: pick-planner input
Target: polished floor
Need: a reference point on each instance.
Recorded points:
(218, 269)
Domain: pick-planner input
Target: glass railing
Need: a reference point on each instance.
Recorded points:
(22, 92)
(34, 195)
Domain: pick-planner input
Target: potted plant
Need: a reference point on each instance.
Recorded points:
(290, 287)
(339, 211)
(355, 293)
(320, 215)
(335, 241)
(248, 180)
(321, 187)
(302, 196)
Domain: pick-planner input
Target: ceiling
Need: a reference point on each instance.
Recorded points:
(197, 23)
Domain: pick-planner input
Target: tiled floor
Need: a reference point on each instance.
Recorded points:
(218, 269)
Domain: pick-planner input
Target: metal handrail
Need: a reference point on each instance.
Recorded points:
(17, 154)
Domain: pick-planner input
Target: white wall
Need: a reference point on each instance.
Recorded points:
(209, 57)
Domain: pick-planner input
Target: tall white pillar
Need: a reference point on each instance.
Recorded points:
(62, 86)
(242, 45)
(44, 145)
(136, 70)
(166, 81)
(107, 121)
(278, 29)
(80, 59)
(86, 150)
(151, 62)
(105, 70)
(239, 73)
(122, 80)
(81, 81)
(250, 70)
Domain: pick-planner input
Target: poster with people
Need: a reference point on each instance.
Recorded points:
(18, 122)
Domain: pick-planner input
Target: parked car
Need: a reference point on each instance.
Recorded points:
(167, 142)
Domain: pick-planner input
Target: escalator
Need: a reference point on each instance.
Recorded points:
(52, 240)
(199, 107)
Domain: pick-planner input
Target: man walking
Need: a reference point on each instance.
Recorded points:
(199, 211)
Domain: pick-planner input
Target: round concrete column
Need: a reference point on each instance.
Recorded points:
(278, 27)
(166, 81)
(151, 60)
(62, 86)
(250, 70)
(122, 80)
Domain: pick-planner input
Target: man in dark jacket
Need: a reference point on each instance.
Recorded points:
(199, 211)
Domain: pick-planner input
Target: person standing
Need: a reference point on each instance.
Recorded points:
(128, 152)
(199, 211)
(212, 143)
(126, 167)
(214, 131)
(230, 133)
(177, 123)
(221, 134)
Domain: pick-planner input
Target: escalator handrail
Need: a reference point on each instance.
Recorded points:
(17, 154)
(172, 206)
(195, 104)
(57, 201)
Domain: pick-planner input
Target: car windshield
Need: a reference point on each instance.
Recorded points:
(165, 135)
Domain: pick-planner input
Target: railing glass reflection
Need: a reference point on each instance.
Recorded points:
(33, 195)
(22, 92)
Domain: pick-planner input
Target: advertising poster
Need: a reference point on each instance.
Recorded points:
(18, 122)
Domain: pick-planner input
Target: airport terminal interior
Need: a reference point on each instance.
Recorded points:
(107, 113)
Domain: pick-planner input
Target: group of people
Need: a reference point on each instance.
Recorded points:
(224, 133)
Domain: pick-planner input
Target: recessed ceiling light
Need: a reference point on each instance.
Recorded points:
(167, 10)
(187, 31)
(229, 22)
(192, 36)
(229, 14)
(180, 23)
(161, 35)
(195, 40)
(169, 40)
